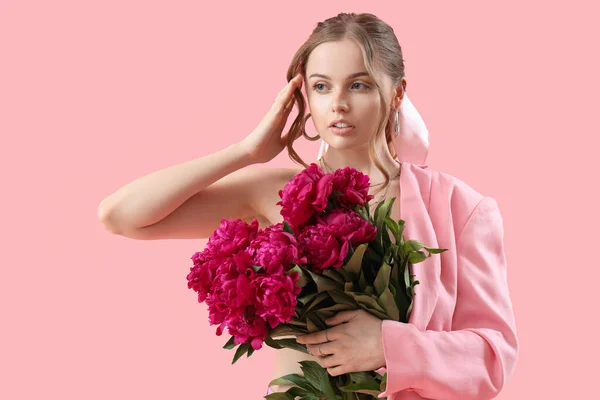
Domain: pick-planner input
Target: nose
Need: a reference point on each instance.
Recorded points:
(339, 104)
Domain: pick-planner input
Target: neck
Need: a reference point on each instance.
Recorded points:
(358, 158)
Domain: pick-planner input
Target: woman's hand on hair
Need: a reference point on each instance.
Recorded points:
(265, 142)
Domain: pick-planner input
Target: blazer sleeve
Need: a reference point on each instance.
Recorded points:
(476, 358)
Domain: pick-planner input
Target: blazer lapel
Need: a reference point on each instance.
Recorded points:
(414, 203)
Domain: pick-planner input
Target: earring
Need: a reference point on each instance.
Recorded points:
(397, 123)
(312, 139)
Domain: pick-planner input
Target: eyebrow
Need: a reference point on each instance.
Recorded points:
(354, 75)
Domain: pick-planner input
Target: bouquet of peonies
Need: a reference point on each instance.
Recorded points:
(328, 255)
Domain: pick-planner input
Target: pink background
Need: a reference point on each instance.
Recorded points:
(96, 94)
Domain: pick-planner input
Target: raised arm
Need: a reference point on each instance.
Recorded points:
(188, 200)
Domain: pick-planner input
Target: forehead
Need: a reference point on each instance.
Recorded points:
(335, 59)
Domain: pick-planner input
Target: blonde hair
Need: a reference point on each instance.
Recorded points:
(381, 51)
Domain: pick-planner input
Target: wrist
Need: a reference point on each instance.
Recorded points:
(242, 153)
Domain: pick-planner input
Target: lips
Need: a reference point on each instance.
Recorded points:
(341, 121)
(342, 131)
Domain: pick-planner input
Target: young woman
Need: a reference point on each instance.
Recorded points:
(460, 342)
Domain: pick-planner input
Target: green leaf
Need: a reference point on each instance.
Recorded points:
(230, 344)
(383, 384)
(319, 378)
(407, 277)
(416, 257)
(368, 301)
(354, 265)
(363, 212)
(338, 308)
(342, 298)
(315, 323)
(434, 250)
(396, 254)
(387, 301)
(279, 396)
(302, 393)
(297, 322)
(381, 212)
(369, 387)
(393, 226)
(295, 379)
(287, 228)
(320, 297)
(348, 276)
(285, 330)
(288, 343)
(303, 277)
(324, 283)
(362, 281)
(401, 226)
(240, 352)
(257, 268)
(307, 298)
(408, 311)
(333, 273)
(413, 245)
(311, 325)
(272, 343)
(382, 279)
(358, 377)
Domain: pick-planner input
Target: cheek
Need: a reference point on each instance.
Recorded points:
(371, 105)
(319, 109)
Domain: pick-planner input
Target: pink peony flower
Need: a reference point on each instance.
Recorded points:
(275, 250)
(353, 185)
(203, 273)
(275, 297)
(321, 247)
(253, 331)
(232, 236)
(304, 195)
(231, 289)
(348, 225)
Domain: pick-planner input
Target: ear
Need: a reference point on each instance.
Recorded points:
(399, 94)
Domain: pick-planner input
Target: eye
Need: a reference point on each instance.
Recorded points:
(317, 86)
(360, 83)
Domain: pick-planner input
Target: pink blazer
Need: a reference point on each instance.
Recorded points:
(461, 340)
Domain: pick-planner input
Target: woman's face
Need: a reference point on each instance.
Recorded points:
(336, 89)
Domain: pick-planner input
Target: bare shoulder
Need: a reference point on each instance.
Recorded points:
(244, 194)
(265, 194)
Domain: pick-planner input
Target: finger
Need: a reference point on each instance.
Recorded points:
(290, 86)
(338, 370)
(286, 108)
(285, 98)
(314, 338)
(341, 317)
(329, 361)
(320, 350)
(280, 107)
(282, 91)
(290, 104)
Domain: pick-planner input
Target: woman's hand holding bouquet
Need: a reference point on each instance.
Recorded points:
(328, 262)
